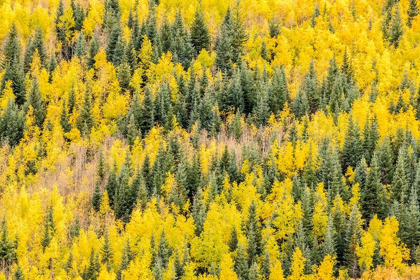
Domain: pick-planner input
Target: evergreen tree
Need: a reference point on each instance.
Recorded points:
(85, 119)
(18, 275)
(51, 67)
(274, 28)
(64, 118)
(93, 51)
(411, 233)
(262, 109)
(278, 91)
(233, 241)
(266, 266)
(253, 234)
(353, 235)
(372, 197)
(35, 100)
(112, 186)
(329, 241)
(14, 73)
(412, 12)
(253, 272)
(399, 182)
(147, 112)
(397, 29)
(12, 46)
(11, 124)
(80, 49)
(97, 197)
(107, 252)
(241, 264)
(352, 147)
(35, 44)
(113, 42)
(239, 33)
(200, 37)
(224, 45)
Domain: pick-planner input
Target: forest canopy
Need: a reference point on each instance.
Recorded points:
(209, 139)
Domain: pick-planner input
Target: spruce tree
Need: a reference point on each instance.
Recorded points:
(111, 186)
(241, 264)
(200, 37)
(93, 51)
(397, 29)
(35, 100)
(372, 198)
(80, 49)
(233, 241)
(64, 118)
(353, 235)
(15, 74)
(399, 182)
(96, 197)
(18, 275)
(412, 12)
(352, 147)
(279, 92)
(107, 252)
(147, 112)
(224, 45)
(85, 119)
(12, 46)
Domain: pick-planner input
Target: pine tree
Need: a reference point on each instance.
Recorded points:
(233, 241)
(111, 186)
(370, 138)
(12, 46)
(266, 266)
(274, 28)
(315, 15)
(64, 118)
(253, 234)
(412, 12)
(224, 45)
(15, 74)
(97, 197)
(113, 41)
(80, 49)
(253, 272)
(353, 235)
(200, 37)
(85, 119)
(278, 91)
(386, 161)
(35, 44)
(399, 182)
(239, 33)
(397, 29)
(51, 67)
(93, 51)
(241, 264)
(352, 147)
(18, 275)
(147, 112)
(411, 234)
(372, 197)
(101, 167)
(35, 100)
(329, 241)
(262, 109)
(107, 252)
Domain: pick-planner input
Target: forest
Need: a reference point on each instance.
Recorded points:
(209, 139)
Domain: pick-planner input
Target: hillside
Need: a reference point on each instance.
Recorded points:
(209, 139)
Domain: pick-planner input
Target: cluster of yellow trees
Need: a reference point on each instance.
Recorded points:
(245, 200)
